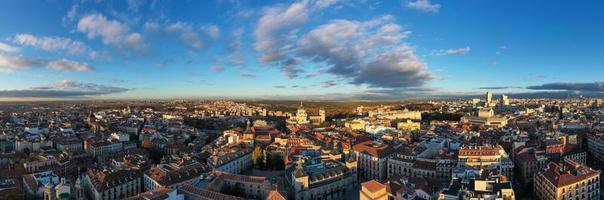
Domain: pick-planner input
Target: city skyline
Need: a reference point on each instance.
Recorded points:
(322, 49)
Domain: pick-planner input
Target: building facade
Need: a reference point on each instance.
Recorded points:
(567, 180)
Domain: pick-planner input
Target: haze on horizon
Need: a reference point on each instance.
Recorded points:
(304, 49)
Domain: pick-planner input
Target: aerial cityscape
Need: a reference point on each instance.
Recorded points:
(301, 100)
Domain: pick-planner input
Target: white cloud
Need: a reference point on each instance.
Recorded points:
(423, 5)
(186, 33)
(370, 53)
(134, 5)
(211, 30)
(8, 48)
(236, 56)
(321, 4)
(11, 63)
(68, 65)
(444, 52)
(111, 32)
(278, 27)
(274, 27)
(151, 26)
(51, 44)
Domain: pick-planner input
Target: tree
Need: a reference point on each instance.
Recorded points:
(258, 157)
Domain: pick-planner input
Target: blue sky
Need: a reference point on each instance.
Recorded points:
(297, 49)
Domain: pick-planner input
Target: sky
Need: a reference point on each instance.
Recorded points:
(313, 49)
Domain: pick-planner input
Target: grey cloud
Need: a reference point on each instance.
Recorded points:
(10, 63)
(275, 25)
(589, 87)
(329, 83)
(278, 28)
(499, 87)
(247, 75)
(63, 89)
(371, 52)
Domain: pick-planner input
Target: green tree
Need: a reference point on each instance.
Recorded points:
(258, 157)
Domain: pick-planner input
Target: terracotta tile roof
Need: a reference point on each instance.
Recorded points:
(568, 172)
(368, 147)
(478, 151)
(206, 194)
(274, 195)
(239, 178)
(167, 178)
(373, 186)
(156, 194)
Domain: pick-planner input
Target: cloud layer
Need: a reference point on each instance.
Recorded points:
(587, 87)
(62, 90)
(9, 63)
(500, 88)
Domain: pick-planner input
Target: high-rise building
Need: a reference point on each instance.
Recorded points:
(488, 98)
(505, 100)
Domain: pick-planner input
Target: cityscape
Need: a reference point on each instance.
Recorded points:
(301, 100)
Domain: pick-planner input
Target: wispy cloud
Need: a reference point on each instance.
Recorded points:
(51, 44)
(8, 48)
(11, 63)
(444, 52)
(423, 5)
(247, 75)
(217, 68)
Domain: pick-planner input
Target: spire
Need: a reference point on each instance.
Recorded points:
(301, 105)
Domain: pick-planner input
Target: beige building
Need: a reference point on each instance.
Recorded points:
(372, 157)
(232, 159)
(483, 187)
(169, 176)
(484, 157)
(301, 116)
(408, 126)
(326, 179)
(485, 117)
(373, 190)
(567, 180)
(113, 184)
